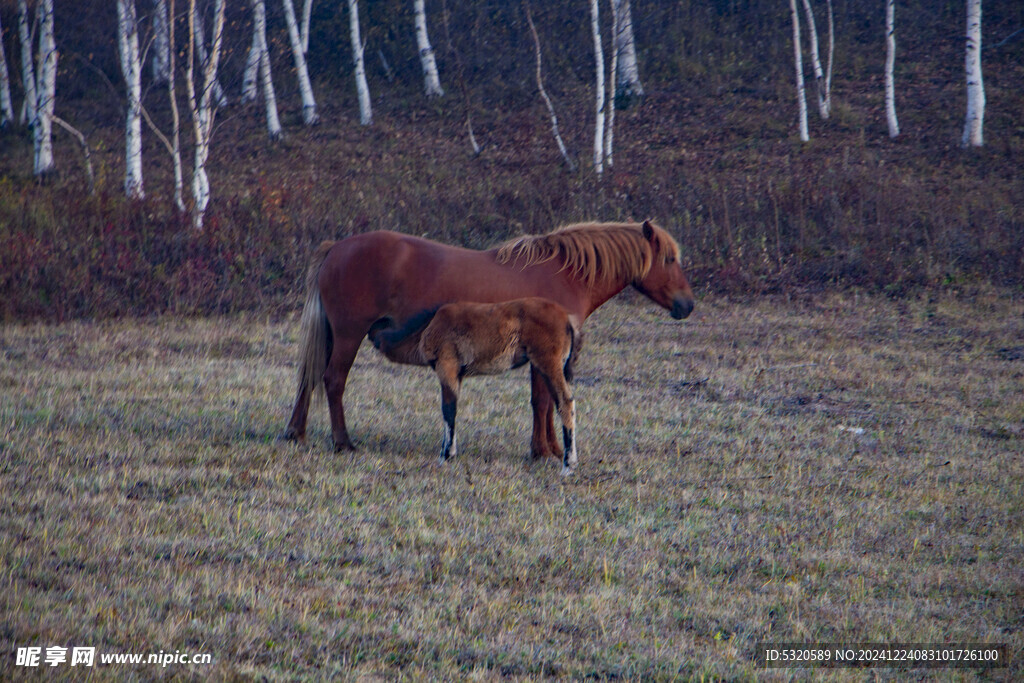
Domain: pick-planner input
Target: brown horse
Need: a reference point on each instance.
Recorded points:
(464, 339)
(367, 284)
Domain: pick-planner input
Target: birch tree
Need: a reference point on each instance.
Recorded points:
(626, 73)
(890, 63)
(612, 85)
(28, 68)
(40, 80)
(431, 81)
(363, 90)
(46, 89)
(595, 27)
(131, 69)
(309, 115)
(799, 63)
(259, 12)
(307, 13)
(174, 145)
(251, 71)
(161, 42)
(201, 97)
(975, 87)
(822, 80)
(220, 98)
(6, 104)
(543, 92)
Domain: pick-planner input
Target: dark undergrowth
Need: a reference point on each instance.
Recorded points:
(710, 153)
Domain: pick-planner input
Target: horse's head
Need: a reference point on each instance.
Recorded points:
(664, 283)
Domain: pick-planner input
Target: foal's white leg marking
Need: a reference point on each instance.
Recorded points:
(569, 460)
(449, 445)
(569, 435)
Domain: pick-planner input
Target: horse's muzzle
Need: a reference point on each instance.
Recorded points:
(681, 308)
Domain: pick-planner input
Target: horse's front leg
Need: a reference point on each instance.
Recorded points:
(543, 442)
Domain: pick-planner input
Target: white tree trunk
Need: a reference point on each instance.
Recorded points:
(201, 105)
(161, 42)
(831, 55)
(890, 63)
(609, 131)
(259, 12)
(821, 86)
(131, 69)
(975, 87)
(175, 150)
(799, 62)
(309, 115)
(199, 42)
(627, 75)
(365, 108)
(6, 104)
(28, 69)
(431, 81)
(595, 27)
(307, 11)
(251, 72)
(173, 145)
(46, 90)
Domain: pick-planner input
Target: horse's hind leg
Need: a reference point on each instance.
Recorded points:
(543, 442)
(296, 430)
(448, 373)
(335, 377)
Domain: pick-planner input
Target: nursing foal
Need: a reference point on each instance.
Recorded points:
(464, 339)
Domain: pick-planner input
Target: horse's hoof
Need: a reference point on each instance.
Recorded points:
(344, 447)
(567, 471)
(540, 453)
(292, 435)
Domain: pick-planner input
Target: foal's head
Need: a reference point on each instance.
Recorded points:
(664, 283)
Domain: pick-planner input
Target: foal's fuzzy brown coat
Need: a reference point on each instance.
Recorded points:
(464, 339)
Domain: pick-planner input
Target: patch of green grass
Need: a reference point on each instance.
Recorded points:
(841, 469)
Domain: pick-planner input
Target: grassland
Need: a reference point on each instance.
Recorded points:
(843, 468)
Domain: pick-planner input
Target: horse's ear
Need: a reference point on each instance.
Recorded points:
(648, 232)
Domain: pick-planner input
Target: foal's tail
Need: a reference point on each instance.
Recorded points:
(575, 343)
(316, 342)
(387, 339)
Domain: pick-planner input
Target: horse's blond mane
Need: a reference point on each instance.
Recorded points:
(592, 251)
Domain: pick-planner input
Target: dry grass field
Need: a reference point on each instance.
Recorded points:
(835, 468)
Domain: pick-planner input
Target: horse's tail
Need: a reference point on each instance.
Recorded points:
(575, 342)
(316, 341)
(387, 339)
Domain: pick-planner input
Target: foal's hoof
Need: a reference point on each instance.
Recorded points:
(568, 471)
(344, 447)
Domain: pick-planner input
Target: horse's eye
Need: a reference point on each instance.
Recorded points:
(670, 259)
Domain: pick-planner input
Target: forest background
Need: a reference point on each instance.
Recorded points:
(710, 151)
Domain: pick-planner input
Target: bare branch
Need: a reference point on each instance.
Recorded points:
(77, 134)
(543, 92)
